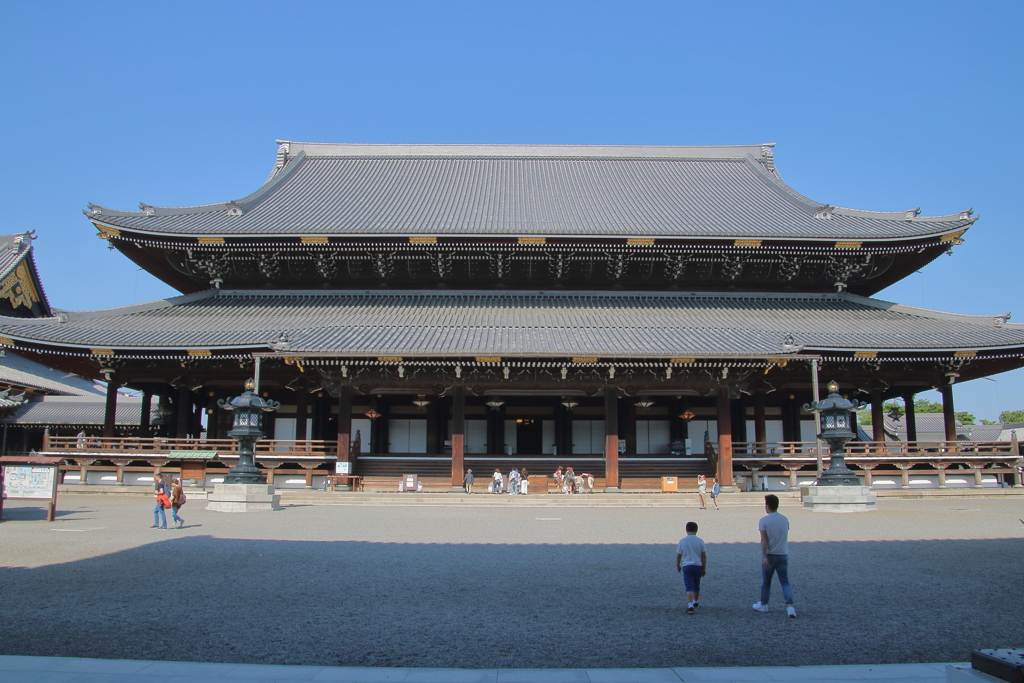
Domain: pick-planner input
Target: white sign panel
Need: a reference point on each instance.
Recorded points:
(27, 481)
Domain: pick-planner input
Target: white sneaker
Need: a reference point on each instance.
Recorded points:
(759, 607)
(791, 611)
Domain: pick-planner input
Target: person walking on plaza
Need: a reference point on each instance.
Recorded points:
(162, 502)
(692, 562)
(467, 481)
(715, 491)
(774, 528)
(177, 500)
(702, 489)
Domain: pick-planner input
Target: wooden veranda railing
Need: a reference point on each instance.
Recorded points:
(129, 445)
(877, 449)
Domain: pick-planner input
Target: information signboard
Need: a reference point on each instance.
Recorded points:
(29, 481)
(30, 478)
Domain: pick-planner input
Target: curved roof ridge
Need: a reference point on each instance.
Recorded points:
(967, 215)
(67, 316)
(242, 205)
(997, 320)
(775, 181)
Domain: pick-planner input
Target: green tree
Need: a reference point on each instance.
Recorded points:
(964, 417)
(864, 416)
(1008, 416)
(923, 405)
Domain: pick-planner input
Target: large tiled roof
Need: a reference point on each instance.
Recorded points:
(72, 411)
(13, 250)
(20, 283)
(23, 373)
(516, 324)
(528, 190)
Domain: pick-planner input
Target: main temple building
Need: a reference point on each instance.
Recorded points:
(635, 311)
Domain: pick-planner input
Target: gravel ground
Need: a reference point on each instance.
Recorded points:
(517, 586)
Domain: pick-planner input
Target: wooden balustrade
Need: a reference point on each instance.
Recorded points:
(875, 449)
(144, 446)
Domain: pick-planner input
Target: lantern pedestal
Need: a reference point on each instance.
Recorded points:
(243, 498)
(838, 498)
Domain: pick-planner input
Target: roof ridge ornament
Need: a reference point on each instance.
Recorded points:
(964, 215)
(283, 148)
(789, 345)
(912, 213)
(1002, 319)
(825, 212)
(768, 159)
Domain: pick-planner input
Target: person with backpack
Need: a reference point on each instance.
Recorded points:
(162, 502)
(177, 500)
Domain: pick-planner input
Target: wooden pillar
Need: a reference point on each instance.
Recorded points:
(629, 428)
(565, 445)
(110, 410)
(184, 410)
(877, 416)
(301, 403)
(611, 439)
(948, 417)
(144, 412)
(724, 474)
(904, 475)
(432, 444)
(380, 427)
(760, 425)
(458, 434)
(739, 420)
(787, 420)
(345, 423)
(866, 471)
(910, 415)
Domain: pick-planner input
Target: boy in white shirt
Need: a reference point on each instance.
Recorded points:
(692, 562)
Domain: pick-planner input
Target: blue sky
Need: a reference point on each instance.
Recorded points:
(874, 105)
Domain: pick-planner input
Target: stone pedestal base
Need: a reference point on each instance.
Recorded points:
(243, 498)
(838, 498)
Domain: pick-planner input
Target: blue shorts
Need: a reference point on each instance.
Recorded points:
(691, 577)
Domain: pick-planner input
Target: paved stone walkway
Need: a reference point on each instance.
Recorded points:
(14, 669)
(499, 589)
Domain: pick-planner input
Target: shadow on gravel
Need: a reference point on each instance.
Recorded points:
(200, 598)
(27, 513)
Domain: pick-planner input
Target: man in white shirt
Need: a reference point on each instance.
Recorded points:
(774, 529)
